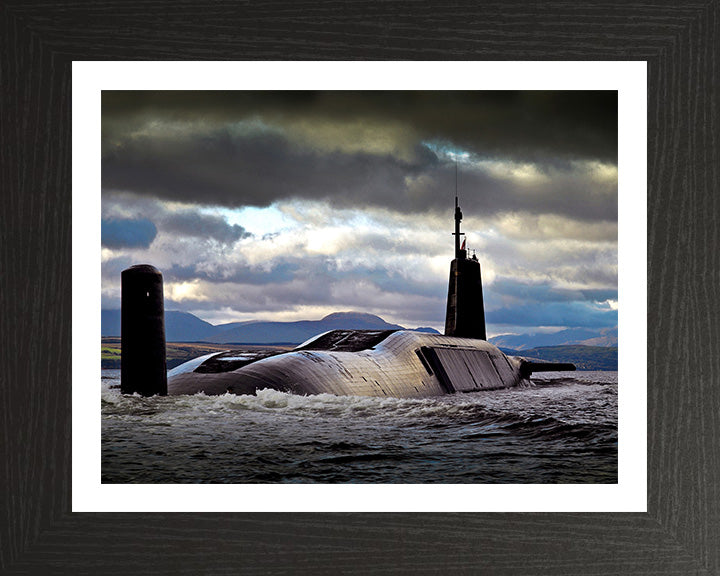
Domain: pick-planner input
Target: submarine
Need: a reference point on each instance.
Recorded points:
(392, 363)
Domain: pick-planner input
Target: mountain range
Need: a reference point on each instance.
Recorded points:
(570, 337)
(185, 327)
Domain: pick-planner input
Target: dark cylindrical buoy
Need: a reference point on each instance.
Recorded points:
(143, 365)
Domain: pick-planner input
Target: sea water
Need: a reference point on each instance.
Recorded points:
(563, 429)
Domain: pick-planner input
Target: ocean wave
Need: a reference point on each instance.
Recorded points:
(540, 410)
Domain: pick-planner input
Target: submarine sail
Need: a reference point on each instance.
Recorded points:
(465, 315)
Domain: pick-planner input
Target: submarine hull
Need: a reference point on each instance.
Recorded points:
(400, 364)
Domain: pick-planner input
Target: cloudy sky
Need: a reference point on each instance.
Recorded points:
(293, 205)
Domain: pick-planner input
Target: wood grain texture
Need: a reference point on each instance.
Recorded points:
(681, 532)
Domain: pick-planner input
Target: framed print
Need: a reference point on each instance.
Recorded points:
(352, 237)
(677, 531)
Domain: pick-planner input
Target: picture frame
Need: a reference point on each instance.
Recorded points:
(680, 531)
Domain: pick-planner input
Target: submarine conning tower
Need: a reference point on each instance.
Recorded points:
(143, 366)
(465, 316)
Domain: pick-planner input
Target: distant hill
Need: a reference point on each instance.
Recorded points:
(110, 322)
(179, 326)
(584, 357)
(185, 327)
(569, 337)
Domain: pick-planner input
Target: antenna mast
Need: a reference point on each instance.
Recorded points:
(458, 216)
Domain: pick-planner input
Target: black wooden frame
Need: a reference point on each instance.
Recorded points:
(680, 533)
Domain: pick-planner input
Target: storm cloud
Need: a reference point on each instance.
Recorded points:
(526, 125)
(541, 151)
(220, 168)
(192, 224)
(122, 213)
